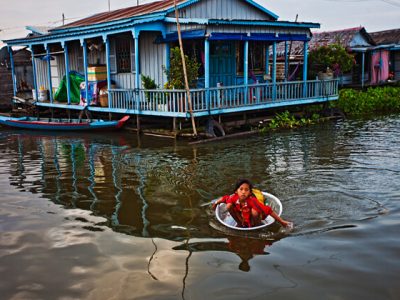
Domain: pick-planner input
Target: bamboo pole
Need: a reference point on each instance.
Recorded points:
(178, 26)
(290, 51)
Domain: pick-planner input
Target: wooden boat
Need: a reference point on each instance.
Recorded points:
(225, 218)
(33, 123)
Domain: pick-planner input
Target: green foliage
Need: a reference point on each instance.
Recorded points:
(332, 56)
(374, 100)
(175, 74)
(288, 120)
(148, 83)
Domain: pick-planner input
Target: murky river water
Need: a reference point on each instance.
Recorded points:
(117, 217)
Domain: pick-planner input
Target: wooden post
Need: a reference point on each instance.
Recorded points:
(290, 50)
(174, 124)
(178, 26)
(138, 123)
(10, 51)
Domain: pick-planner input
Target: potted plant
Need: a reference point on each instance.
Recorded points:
(154, 97)
(330, 61)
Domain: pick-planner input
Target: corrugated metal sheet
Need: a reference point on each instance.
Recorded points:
(344, 37)
(152, 57)
(386, 37)
(124, 13)
(211, 9)
(42, 77)
(222, 9)
(61, 66)
(124, 80)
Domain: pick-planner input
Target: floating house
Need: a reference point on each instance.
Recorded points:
(234, 43)
(355, 40)
(387, 54)
(23, 75)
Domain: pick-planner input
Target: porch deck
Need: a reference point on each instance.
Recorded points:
(212, 101)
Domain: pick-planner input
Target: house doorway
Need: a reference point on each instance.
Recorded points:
(222, 63)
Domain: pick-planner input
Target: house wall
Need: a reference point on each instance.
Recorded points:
(6, 86)
(152, 57)
(42, 77)
(220, 9)
(122, 80)
(75, 55)
(397, 65)
(359, 41)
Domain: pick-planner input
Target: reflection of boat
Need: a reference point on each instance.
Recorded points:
(225, 218)
(61, 124)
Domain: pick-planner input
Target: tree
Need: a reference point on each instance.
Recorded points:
(334, 57)
(175, 71)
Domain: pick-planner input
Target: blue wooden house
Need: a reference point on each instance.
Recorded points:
(234, 41)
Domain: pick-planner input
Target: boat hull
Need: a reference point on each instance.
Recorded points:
(61, 124)
(225, 218)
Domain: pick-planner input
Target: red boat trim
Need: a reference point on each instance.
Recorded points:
(122, 121)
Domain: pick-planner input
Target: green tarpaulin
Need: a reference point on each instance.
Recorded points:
(75, 80)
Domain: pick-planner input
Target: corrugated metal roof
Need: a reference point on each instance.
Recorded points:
(386, 37)
(343, 37)
(124, 13)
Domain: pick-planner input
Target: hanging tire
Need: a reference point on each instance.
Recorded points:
(214, 129)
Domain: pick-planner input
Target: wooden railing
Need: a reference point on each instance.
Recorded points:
(222, 99)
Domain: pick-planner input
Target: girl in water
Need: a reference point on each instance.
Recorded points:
(245, 208)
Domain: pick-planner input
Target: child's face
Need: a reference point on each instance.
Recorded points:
(243, 191)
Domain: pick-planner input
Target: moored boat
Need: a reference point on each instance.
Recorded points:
(55, 124)
(225, 218)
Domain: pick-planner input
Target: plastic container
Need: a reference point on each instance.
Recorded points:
(42, 95)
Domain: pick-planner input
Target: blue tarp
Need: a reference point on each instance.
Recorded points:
(224, 36)
(190, 34)
(218, 36)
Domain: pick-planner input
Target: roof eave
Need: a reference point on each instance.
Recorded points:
(83, 32)
(262, 8)
(108, 24)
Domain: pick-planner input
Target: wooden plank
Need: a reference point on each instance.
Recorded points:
(228, 136)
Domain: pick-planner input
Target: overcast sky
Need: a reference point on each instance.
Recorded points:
(374, 15)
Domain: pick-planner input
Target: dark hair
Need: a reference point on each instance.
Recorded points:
(241, 181)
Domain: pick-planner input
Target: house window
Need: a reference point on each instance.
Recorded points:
(123, 54)
(256, 57)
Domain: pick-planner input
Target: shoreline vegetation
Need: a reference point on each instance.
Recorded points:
(352, 103)
(374, 100)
